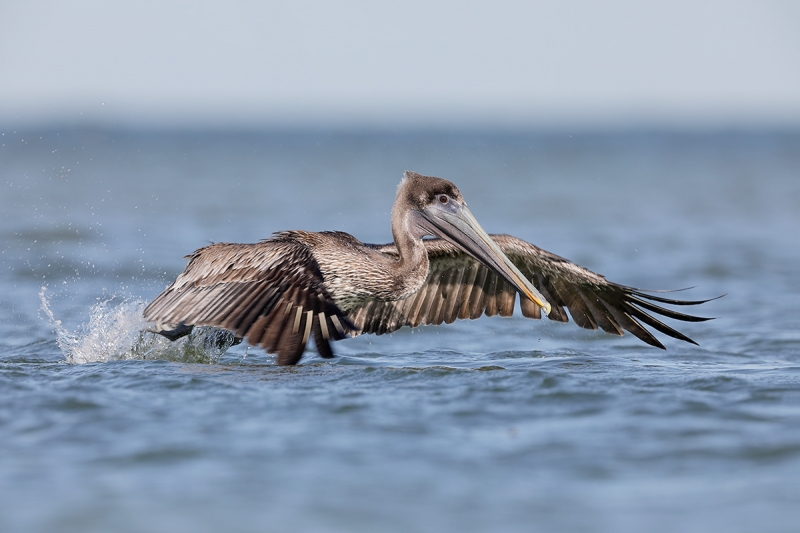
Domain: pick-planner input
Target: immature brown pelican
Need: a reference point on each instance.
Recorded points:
(276, 293)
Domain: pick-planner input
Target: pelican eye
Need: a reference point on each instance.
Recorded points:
(443, 198)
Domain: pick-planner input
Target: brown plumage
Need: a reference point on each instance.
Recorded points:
(279, 292)
(271, 293)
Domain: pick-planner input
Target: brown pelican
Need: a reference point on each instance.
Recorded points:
(280, 291)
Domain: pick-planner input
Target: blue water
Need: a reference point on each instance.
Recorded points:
(489, 425)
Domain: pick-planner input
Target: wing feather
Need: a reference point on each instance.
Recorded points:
(530, 309)
(604, 320)
(460, 287)
(467, 288)
(455, 296)
(258, 291)
(506, 299)
(630, 324)
(557, 312)
(490, 290)
(477, 300)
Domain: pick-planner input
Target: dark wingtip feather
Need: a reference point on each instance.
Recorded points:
(657, 324)
(659, 345)
(644, 294)
(323, 346)
(630, 324)
(667, 312)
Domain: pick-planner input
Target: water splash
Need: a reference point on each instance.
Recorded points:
(115, 331)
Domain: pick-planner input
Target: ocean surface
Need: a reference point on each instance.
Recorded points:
(498, 424)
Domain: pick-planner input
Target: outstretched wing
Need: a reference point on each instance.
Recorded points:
(458, 286)
(270, 293)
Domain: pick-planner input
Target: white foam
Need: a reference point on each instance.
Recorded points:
(115, 331)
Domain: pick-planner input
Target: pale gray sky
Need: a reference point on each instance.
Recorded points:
(410, 63)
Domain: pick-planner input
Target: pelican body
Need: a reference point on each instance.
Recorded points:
(281, 291)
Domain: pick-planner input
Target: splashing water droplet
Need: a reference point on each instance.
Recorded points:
(116, 331)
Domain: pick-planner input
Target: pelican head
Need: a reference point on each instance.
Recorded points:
(434, 206)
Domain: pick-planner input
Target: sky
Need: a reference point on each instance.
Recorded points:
(350, 63)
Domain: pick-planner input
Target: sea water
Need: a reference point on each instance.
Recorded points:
(498, 424)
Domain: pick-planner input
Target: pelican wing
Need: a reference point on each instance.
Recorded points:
(458, 286)
(270, 293)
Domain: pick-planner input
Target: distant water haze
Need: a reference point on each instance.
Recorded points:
(708, 64)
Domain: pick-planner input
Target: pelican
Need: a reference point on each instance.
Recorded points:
(279, 292)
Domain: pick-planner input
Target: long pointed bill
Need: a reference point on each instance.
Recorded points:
(458, 225)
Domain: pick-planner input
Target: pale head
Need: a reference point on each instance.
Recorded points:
(427, 205)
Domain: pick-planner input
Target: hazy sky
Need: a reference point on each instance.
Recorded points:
(531, 64)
